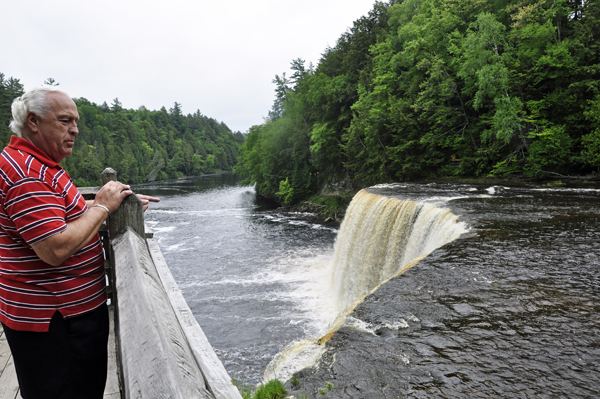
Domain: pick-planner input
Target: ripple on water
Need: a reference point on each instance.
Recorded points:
(508, 311)
(504, 315)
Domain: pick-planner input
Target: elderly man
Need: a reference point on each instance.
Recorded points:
(52, 279)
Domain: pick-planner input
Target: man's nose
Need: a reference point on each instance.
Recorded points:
(74, 130)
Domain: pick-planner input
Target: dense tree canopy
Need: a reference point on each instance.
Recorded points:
(141, 145)
(9, 90)
(430, 88)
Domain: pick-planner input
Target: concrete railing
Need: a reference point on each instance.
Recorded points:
(163, 352)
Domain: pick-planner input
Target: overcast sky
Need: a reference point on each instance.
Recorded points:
(216, 56)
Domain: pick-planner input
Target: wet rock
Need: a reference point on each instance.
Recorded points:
(464, 309)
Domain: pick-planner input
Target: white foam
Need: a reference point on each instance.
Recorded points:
(164, 229)
(321, 227)
(359, 325)
(440, 201)
(496, 189)
(389, 185)
(177, 247)
(395, 325)
(483, 279)
(294, 357)
(298, 222)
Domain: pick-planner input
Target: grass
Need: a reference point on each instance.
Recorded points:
(335, 201)
(244, 389)
(295, 381)
(556, 183)
(325, 391)
(273, 389)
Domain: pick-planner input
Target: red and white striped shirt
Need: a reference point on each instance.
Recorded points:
(38, 199)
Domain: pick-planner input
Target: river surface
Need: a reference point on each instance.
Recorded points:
(509, 309)
(243, 267)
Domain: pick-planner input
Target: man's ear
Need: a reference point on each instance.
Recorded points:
(32, 121)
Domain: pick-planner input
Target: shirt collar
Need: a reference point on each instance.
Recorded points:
(19, 143)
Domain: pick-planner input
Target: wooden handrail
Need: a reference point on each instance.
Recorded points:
(129, 214)
(162, 350)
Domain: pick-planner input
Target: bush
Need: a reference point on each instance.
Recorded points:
(286, 192)
(271, 390)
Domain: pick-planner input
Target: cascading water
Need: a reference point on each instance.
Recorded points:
(379, 238)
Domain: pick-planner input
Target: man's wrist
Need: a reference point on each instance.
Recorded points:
(103, 207)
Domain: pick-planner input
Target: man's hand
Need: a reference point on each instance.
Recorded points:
(55, 249)
(112, 194)
(146, 199)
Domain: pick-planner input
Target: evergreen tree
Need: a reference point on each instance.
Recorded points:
(10, 89)
(141, 145)
(424, 88)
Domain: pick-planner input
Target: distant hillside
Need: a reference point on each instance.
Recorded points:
(141, 145)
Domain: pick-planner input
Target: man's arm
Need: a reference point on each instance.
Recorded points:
(55, 249)
(146, 199)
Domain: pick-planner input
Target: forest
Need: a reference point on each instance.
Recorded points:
(141, 145)
(437, 88)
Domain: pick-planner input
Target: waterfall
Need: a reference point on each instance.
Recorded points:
(379, 238)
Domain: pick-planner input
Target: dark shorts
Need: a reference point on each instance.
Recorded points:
(67, 362)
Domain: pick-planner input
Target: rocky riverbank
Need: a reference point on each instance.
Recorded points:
(329, 206)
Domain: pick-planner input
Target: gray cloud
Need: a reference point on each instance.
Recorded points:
(218, 57)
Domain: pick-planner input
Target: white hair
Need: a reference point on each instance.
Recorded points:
(32, 101)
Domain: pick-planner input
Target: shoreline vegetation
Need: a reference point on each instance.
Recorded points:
(425, 90)
(275, 389)
(329, 206)
(141, 145)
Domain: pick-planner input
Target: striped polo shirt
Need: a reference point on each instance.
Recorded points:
(38, 199)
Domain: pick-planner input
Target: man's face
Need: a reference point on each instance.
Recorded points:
(56, 131)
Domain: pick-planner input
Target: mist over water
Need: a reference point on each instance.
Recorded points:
(510, 307)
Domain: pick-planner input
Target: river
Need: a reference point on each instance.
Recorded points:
(509, 309)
